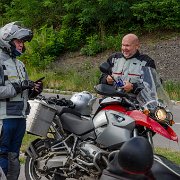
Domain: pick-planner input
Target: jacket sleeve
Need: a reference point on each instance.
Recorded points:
(150, 62)
(102, 79)
(137, 87)
(7, 91)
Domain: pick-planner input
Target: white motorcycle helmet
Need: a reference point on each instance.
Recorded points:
(13, 31)
(83, 102)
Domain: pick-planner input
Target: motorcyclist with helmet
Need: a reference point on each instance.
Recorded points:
(126, 65)
(15, 88)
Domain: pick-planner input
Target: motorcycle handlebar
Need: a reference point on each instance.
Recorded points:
(65, 102)
(57, 101)
(108, 90)
(60, 102)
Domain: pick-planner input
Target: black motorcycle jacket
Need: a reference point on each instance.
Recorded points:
(128, 69)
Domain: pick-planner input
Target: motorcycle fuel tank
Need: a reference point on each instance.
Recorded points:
(112, 128)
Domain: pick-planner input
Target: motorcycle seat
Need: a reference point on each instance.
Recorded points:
(73, 122)
(165, 169)
(106, 175)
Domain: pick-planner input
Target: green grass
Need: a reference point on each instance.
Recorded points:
(169, 154)
(26, 141)
(173, 89)
(84, 78)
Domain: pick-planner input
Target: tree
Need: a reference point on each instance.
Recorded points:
(36, 13)
(96, 15)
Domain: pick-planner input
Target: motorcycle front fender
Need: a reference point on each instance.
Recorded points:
(143, 120)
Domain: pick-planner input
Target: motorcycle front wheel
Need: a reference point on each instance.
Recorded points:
(31, 170)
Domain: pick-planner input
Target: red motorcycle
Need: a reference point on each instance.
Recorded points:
(150, 109)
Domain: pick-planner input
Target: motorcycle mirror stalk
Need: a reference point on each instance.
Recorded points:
(105, 68)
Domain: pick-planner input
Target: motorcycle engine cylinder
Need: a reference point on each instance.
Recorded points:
(90, 150)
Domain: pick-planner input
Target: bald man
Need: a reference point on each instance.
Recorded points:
(127, 64)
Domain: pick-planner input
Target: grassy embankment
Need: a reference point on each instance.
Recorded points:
(84, 78)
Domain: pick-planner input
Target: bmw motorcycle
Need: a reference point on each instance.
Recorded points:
(73, 143)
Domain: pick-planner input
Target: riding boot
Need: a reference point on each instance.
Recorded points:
(13, 166)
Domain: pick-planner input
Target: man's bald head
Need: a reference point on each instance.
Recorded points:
(130, 45)
(132, 38)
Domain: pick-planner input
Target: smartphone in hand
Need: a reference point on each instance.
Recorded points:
(39, 79)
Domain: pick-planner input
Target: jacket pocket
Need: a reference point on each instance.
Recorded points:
(14, 108)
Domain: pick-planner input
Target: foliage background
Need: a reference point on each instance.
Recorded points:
(87, 26)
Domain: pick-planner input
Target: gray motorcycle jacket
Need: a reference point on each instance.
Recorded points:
(128, 69)
(12, 105)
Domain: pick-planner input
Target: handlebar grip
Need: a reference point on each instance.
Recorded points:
(52, 100)
(60, 102)
(64, 102)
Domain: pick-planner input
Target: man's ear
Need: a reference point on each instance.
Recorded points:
(138, 46)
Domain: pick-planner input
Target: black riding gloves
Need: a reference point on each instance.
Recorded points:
(25, 84)
(38, 88)
(35, 88)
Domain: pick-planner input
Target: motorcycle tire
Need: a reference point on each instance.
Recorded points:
(31, 173)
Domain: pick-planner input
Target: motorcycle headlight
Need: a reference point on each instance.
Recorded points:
(161, 115)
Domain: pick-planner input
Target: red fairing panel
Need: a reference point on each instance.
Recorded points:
(115, 108)
(142, 119)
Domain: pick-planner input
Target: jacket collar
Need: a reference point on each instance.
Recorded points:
(134, 56)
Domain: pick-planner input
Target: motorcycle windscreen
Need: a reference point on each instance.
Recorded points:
(153, 93)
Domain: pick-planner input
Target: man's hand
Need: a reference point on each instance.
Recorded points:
(109, 79)
(128, 86)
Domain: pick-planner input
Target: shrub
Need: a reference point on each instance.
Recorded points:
(93, 46)
(44, 47)
(163, 14)
(113, 42)
(72, 37)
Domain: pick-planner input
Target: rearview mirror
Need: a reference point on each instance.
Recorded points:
(105, 68)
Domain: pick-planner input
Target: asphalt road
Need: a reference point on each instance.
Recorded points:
(159, 141)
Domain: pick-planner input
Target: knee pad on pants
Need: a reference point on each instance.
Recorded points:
(13, 166)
